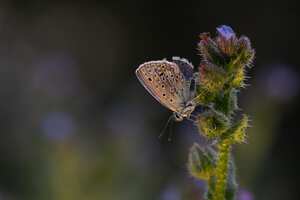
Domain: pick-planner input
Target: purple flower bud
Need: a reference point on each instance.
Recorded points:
(226, 40)
(209, 49)
(227, 52)
(225, 32)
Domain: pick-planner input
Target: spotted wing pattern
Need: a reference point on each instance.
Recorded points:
(165, 82)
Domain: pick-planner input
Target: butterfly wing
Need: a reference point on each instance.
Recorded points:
(187, 69)
(165, 82)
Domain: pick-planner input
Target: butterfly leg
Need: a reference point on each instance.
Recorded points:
(171, 118)
(177, 117)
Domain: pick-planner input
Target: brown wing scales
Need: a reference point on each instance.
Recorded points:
(164, 81)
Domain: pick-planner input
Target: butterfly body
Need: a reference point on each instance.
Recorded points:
(171, 84)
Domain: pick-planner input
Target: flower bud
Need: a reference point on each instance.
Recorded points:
(201, 162)
(226, 40)
(243, 56)
(209, 50)
(212, 124)
(237, 133)
(212, 77)
(228, 52)
(246, 51)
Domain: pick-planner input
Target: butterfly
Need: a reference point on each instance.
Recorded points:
(171, 83)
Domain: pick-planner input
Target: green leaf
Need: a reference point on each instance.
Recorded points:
(201, 162)
(226, 102)
(237, 133)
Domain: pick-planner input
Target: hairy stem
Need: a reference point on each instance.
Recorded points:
(211, 187)
(231, 181)
(221, 172)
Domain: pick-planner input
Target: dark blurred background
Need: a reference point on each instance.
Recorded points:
(76, 124)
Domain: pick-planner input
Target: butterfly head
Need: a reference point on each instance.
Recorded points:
(186, 112)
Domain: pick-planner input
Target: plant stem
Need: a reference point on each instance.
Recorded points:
(211, 187)
(222, 167)
(231, 181)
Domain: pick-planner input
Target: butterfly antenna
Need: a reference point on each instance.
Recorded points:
(165, 126)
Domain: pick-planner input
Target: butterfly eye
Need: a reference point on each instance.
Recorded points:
(189, 104)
